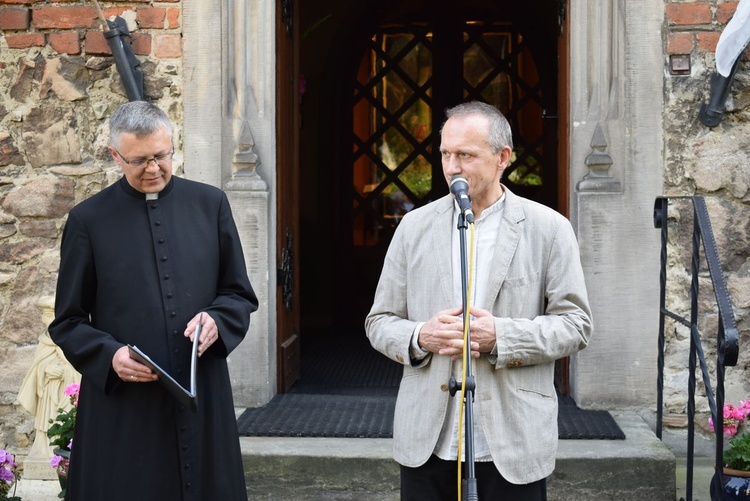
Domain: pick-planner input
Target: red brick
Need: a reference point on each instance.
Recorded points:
(25, 40)
(151, 17)
(725, 11)
(96, 44)
(65, 43)
(114, 11)
(173, 18)
(168, 46)
(707, 41)
(14, 18)
(68, 17)
(682, 14)
(679, 43)
(141, 44)
(170, 1)
(19, 1)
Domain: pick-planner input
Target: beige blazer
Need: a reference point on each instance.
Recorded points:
(537, 293)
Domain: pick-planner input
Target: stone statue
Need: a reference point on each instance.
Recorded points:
(42, 393)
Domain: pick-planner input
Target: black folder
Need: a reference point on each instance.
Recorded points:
(189, 398)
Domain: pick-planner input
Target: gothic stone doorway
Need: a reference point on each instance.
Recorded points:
(374, 80)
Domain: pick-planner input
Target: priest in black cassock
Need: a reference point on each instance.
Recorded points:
(142, 262)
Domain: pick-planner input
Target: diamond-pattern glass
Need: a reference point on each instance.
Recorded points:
(393, 119)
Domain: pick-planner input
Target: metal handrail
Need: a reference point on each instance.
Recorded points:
(727, 340)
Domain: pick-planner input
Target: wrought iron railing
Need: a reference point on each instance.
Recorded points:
(727, 342)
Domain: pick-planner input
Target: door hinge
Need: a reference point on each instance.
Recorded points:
(285, 274)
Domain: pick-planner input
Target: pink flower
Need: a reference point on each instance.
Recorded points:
(55, 461)
(7, 459)
(7, 471)
(734, 416)
(6, 476)
(72, 391)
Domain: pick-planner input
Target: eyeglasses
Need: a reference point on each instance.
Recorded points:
(160, 160)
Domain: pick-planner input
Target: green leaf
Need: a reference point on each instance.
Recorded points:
(737, 457)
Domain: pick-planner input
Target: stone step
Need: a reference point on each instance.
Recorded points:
(640, 467)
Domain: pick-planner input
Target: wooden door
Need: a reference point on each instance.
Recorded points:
(562, 366)
(416, 66)
(380, 74)
(287, 208)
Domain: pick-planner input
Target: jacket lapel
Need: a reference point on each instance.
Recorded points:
(505, 246)
(440, 234)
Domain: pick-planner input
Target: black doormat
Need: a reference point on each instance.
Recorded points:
(347, 389)
(355, 416)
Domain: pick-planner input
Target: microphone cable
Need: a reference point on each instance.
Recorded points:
(466, 353)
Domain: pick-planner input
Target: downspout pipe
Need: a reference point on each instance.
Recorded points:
(712, 112)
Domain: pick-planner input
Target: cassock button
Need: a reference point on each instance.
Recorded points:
(187, 466)
(161, 240)
(188, 485)
(174, 332)
(173, 314)
(153, 206)
(164, 258)
(182, 429)
(158, 223)
(182, 409)
(185, 447)
(166, 277)
(170, 295)
(177, 350)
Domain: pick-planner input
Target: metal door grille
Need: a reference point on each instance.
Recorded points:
(393, 162)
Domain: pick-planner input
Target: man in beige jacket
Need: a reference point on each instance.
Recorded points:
(529, 308)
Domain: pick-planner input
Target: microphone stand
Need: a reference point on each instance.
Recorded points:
(469, 484)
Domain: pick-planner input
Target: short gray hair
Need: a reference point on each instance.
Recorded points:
(500, 134)
(140, 118)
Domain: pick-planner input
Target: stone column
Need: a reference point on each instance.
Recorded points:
(230, 142)
(616, 173)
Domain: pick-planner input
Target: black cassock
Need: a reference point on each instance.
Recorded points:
(134, 271)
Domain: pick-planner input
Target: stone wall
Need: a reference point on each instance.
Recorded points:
(59, 85)
(712, 162)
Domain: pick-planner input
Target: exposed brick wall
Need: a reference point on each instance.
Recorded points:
(697, 25)
(71, 27)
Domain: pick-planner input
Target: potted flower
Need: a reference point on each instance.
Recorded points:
(737, 454)
(60, 434)
(8, 476)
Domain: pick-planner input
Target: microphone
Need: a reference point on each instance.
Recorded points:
(460, 190)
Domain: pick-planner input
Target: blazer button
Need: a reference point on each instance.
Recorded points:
(444, 387)
(515, 363)
(400, 359)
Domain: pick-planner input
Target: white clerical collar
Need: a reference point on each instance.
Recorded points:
(152, 196)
